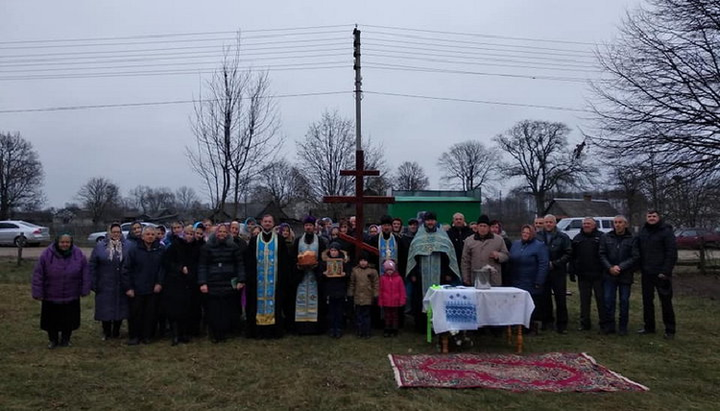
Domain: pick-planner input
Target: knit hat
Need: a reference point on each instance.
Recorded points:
(389, 265)
(483, 219)
(334, 245)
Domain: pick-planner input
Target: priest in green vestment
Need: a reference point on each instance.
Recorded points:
(431, 261)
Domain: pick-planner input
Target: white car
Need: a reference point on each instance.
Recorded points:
(125, 227)
(13, 231)
(573, 225)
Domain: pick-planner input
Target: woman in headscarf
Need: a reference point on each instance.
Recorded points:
(60, 278)
(135, 234)
(287, 233)
(106, 260)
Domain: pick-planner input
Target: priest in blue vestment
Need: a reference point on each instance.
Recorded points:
(268, 280)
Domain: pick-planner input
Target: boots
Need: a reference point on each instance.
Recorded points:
(116, 329)
(65, 338)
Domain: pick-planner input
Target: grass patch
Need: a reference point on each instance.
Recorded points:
(321, 373)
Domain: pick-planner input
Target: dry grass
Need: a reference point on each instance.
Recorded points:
(321, 373)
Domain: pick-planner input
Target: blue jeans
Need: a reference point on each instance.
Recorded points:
(613, 288)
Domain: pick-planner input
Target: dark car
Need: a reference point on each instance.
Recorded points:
(694, 237)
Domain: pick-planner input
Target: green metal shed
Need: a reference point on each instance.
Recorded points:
(409, 204)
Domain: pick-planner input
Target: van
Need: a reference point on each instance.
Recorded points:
(573, 225)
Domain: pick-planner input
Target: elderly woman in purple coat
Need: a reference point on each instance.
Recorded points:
(60, 278)
(111, 303)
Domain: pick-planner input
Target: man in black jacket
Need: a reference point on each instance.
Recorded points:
(658, 255)
(458, 232)
(618, 255)
(559, 246)
(586, 265)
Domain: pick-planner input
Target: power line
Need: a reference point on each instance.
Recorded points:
(456, 33)
(152, 73)
(462, 100)
(163, 35)
(156, 103)
(400, 67)
(164, 41)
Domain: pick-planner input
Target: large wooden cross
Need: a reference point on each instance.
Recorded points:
(359, 199)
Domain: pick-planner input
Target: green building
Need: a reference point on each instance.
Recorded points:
(410, 204)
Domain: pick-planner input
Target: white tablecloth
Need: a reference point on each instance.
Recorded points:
(467, 308)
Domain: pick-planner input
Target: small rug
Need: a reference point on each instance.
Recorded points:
(554, 372)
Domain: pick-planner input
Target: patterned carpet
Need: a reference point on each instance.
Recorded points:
(554, 372)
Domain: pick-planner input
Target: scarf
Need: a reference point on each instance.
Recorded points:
(115, 249)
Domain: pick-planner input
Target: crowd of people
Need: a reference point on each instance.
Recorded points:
(263, 281)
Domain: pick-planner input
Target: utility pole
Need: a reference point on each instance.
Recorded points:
(358, 88)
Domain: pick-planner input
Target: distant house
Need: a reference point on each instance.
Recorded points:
(580, 207)
(443, 202)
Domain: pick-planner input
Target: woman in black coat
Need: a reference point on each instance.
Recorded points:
(180, 302)
(106, 260)
(221, 274)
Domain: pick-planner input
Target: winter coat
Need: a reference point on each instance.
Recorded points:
(585, 262)
(619, 250)
(458, 237)
(143, 268)
(179, 288)
(657, 249)
(476, 255)
(111, 303)
(220, 263)
(559, 248)
(61, 279)
(363, 285)
(392, 290)
(335, 287)
(529, 265)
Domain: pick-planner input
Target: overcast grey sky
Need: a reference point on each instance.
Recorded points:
(145, 145)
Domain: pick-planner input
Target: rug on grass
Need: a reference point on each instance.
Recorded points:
(555, 372)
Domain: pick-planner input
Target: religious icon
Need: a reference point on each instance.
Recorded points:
(334, 267)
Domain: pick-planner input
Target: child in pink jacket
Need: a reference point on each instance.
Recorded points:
(392, 297)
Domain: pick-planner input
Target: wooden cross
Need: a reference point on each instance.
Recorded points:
(359, 199)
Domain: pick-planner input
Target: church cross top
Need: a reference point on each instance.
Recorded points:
(360, 199)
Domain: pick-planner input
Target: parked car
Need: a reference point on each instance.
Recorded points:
(125, 227)
(693, 237)
(13, 231)
(573, 225)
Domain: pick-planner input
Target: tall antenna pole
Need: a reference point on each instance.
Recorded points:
(358, 88)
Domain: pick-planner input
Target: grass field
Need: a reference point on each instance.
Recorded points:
(321, 373)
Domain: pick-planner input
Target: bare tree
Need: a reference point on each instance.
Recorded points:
(186, 199)
(661, 89)
(411, 176)
(328, 147)
(21, 175)
(470, 164)
(282, 183)
(540, 156)
(99, 196)
(235, 127)
(151, 200)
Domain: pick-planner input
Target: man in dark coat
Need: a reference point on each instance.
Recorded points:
(268, 280)
(458, 232)
(559, 247)
(619, 256)
(586, 265)
(142, 279)
(658, 255)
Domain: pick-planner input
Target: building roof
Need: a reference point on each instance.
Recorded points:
(580, 207)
